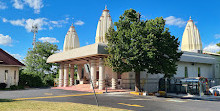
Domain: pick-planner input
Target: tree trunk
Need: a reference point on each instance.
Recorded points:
(137, 81)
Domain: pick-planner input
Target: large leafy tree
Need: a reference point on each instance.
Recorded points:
(142, 45)
(36, 58)
(219, 46)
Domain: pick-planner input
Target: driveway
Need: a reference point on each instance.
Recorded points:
(116, 100)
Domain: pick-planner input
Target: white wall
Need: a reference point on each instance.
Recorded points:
(150, 82)
(206, 70)
(10, 77)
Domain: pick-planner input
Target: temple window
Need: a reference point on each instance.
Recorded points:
(199, 72)
(186, 72)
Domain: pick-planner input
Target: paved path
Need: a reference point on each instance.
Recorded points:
(116, 100)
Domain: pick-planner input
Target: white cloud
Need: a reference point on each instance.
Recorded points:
(79, 22)
(5, 40)
(17, 56)
(35, 4)
(217, 36)
(43, 23)
(212, 48)
(17, 22)
(87, 43)
(40, 22)
(3, 5)
(18, 4)
(4, 20)
(48, 39)
(59, 51)
(171, 20)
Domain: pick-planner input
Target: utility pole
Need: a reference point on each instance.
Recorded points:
(34, 30)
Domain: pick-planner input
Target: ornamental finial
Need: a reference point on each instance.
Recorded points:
(190, 18)
(105, 7)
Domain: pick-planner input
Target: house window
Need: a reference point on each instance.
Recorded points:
(199, 72)
(15, 75)
(186, 72)
(6, 74)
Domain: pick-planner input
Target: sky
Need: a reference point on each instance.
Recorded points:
(54, 17)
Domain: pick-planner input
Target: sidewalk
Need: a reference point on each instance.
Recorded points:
(185, 96)
(87, 88)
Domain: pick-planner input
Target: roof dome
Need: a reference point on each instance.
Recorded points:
(191, 40)
(71, 39)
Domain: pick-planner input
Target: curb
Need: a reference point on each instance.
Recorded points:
(195, 98)
(116, 93)
(137, 93)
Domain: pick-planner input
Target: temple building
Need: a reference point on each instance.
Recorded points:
(193, 62)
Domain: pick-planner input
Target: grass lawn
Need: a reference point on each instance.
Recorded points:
(9, 105)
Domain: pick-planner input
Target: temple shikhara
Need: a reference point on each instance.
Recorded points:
(191, 40)
(193, 63)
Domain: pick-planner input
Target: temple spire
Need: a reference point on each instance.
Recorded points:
(191, 40)
(104, 23)
(71, 39)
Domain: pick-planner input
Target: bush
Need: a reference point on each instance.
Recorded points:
(35, 80)
(48, 80)
(3, 85)
(13, 87)
(30, 80)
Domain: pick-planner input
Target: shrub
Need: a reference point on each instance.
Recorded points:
(13, 87)
(30, 80)
(3, 85)
(20, 87)
(48, 80)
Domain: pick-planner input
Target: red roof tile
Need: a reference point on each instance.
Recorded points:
(7, 59)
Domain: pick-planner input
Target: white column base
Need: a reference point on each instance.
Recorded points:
(114, 80)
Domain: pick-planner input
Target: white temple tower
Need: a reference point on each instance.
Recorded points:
(191, 40)
(71, 39)
(104, 23)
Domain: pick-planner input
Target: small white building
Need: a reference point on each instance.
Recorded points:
(9, 69)
(193, 62)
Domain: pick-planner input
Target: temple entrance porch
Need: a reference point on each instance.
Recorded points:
(100, 74)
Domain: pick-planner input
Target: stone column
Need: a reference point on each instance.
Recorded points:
(61, 75)
(93, 72)
(114, 80)
(79, 71)
(71, 74)
(66, 75)
(101, 74)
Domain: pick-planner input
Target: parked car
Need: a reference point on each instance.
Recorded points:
(215, 89)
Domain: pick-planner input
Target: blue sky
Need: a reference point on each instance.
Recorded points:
(54, 18)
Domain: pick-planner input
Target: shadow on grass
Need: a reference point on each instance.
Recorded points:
(6, 100)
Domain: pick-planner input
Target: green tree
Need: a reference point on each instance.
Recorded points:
(36, 65)
(219, 46)
(142, 45)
